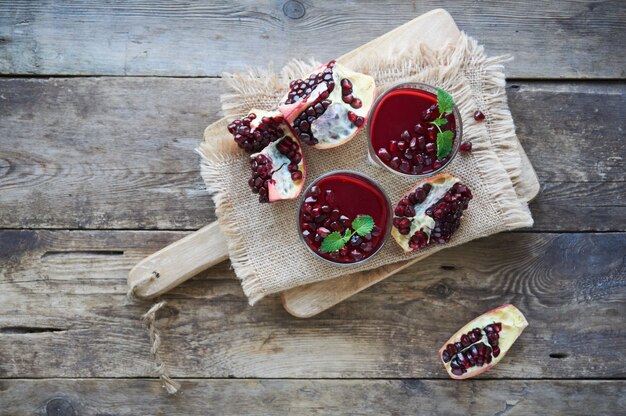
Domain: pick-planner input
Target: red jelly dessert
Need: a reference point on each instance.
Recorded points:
(402, 134)
(336, 207)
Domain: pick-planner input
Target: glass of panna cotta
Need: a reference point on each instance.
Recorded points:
(331, 204)
(402, 136)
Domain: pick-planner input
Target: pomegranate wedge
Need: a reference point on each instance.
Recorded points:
(330, 106)
(430, 213)
(278, 171)
(482, 343)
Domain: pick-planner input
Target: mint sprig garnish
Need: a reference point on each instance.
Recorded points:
(361, 225)
(445, 102)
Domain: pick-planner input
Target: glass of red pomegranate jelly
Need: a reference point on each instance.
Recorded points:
(401, 136)
(331, 203)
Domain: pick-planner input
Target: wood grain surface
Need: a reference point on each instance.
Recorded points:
(117, 153)
(71, 397)
(564, 39)
(390, 330)
(100, 110)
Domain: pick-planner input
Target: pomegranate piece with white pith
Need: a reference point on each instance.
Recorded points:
(329, 107)
(482, 343)
(430, 213)
(278, 171)
(258, 129)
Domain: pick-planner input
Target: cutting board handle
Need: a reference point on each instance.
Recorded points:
(176, 263)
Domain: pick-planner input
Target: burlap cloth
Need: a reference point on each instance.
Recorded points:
(265, 249)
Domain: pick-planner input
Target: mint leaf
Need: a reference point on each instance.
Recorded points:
(444, 101)
(363, 224)
(439, 121)
(444, 143)
(333, 242)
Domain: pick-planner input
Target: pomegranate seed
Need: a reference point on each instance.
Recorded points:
(466, 146)
(465, 340)
(498, 326)
(395, 162)
(393, 146)
(315, 191)
(445, 356)
(322, 231)
(356, 103)
(347, 98)
(296, 176)
(359, 121)
(383, 154)
(352, 116)
(479, 116)
(346, 84)
(356, 255)
(458, 347)
(496, 351)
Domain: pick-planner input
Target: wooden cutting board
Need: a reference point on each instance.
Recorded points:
(183, 259)
(436, 28)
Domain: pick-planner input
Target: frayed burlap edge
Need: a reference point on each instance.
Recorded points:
(216, 151)
(264, 86)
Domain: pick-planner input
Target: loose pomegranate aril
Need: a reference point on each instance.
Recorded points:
(479, 116)
(436, 206)
(475, 356)
(466, 146)
(329, 107)
(255, 131)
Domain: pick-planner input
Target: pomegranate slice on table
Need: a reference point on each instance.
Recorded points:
(330, 106)
(430, 213)
(482, 343)
(278, 171)
(258, 129)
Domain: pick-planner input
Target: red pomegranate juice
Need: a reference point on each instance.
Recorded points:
(332, 203)
(401, 135)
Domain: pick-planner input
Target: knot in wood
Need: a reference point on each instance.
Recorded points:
(293, 9)
(59, 407)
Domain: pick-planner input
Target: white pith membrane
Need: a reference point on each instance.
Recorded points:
(333, 127)
(283, 186)
(513, 323)
(421, 221)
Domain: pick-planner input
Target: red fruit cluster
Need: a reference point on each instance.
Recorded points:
(470, 350)
(320, 217)
(263, 168)
(254, 139)
(415, 152)
(301, 89)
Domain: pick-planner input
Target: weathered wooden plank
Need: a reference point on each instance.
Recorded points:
(566, 39)
(63, 312)
(118, 152)
(313, 397)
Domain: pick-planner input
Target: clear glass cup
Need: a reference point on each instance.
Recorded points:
(355, 176)
(373, 156)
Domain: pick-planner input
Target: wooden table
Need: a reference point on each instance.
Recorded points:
(101, 105)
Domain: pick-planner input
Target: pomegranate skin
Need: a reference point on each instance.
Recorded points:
(511, 322)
